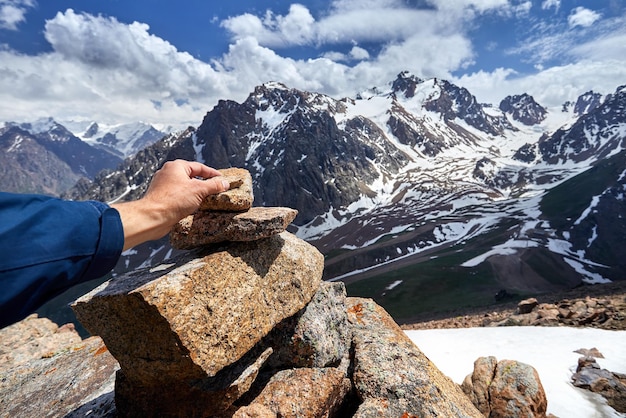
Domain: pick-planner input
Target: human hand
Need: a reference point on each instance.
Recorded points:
(176, 191)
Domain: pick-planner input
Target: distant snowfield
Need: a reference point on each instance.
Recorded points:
(550, 350)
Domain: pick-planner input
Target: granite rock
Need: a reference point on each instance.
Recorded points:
(203, 228)
(33, 338)
(198, 398)
(317, 336)
(189, 320)
(516, 391)
(476, 384)
(390, 371)
(76, 377)
(239, 197)
(301, 392)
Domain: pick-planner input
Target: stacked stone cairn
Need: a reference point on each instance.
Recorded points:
(241, 325)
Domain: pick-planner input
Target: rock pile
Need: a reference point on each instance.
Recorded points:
(596, 312)
(246, 328)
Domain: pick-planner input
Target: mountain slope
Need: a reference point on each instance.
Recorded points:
(416, 190)
(29, 167)
(47, 158)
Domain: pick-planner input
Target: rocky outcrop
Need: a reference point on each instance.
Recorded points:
(505, 388)
(523, 108)
(596, 312)
(247, 329)
(611, 385)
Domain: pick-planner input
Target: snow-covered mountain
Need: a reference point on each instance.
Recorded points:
(47, 156)
(417, 191)
(123, 140)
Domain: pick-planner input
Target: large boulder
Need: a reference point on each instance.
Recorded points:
(178, 325)
(392, 376)
(505, 389)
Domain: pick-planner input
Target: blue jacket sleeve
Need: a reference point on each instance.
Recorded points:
(48, 245)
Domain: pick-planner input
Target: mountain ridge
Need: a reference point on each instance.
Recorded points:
(417, 171)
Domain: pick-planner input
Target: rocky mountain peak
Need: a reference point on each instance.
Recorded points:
(91, 131)
(523, 108)
(406, 83)
(595, 134)
(457, 102)
(587, 102)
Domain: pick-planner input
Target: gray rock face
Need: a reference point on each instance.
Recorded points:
(611, 385)
(76, 377)
(318, 336)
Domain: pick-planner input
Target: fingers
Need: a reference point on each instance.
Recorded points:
(205, 180)
(196, 169)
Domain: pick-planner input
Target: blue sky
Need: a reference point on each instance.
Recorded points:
(170, 62)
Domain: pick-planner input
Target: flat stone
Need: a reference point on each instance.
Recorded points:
(205, 228)
(238, 198)
(391, 373)
(190, 319)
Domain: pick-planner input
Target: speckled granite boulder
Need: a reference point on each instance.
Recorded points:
(304, 392)
(317, 336)
(392, 376)
(187, 321)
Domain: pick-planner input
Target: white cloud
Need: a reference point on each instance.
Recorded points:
(359, 53)
(583, 17)
(102, 68)
(348, 24)
(550, 87)
(13, 12)
(294, 28)
(547, 4)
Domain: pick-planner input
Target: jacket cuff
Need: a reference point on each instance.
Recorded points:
(110, 244)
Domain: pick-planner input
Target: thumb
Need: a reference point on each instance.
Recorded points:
(214, 185)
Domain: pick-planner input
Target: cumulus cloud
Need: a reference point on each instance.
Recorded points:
(102, 68)
(583, 17)
(99, 65)
(550, 87)
(13, 12)
(294, 28)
